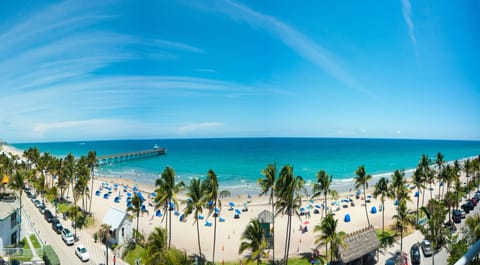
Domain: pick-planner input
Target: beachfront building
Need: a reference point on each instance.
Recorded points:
(9, 219)
(120, 226)
(360, 245)
(265, 218)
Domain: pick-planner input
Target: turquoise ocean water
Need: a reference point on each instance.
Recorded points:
(238, 162)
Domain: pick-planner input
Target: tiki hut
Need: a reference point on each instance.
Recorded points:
(265, 218)
(358, 244)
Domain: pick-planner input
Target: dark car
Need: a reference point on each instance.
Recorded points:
(474, 201)
(57, 226)
(415, 254)
(467, 207)
(457, 216)
(48, 215)
(451, 226)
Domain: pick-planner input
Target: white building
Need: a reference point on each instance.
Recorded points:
(120, 226)
(9, 221)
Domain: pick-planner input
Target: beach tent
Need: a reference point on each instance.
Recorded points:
(207, 223)
(181, 218)
(97, 193)
(158, 213)
(347, 219)
(144, 209)
(117, 199)
(216, 210)
(221, 219)
(200, 217)
(373, 210)
(105, 196)
(129, 194)
(416, 194)
(140, 195)
(176, 213)
(129, 204)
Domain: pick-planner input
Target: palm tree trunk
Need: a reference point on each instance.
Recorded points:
(91, 191)
(289, 237)
(383, 216)
(423, 197)
(138, 217)
(214, 232)
(401, 239)
(418, 200)
(325, 206)
(431, 189)
(198, 239)
(106, 250)
(20, 227)
(365, 198)
(169, 228)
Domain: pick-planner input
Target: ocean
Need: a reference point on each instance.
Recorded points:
(238, 161)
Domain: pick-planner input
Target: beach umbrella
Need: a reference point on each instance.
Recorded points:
(129, 194)
(416, 194)
(395, 203)
(117, 199)
(306, 223)
(97, 193)
(221, 219)
(374, 210)
(346, 219)
(181, 218)
(105, 196)
(207, 223)
(358, 192)
(200, 217)
(302, 209)
(216, 210)
(158, 213)
(153, 194)
(171, 205)
(143, 208)
(318, 206)
(237, 211)
(176, 213)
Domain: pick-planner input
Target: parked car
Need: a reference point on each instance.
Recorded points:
(37, 203)
(42, 208)
(462, 213)
(415, 254)
(48, 215)
(82, 253)
(427, 248)
(474, 201)
(467, 207)
(67, 237)
(450, 225)
(56, 225)
(456, 216)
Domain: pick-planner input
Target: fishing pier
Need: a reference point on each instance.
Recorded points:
(123, 157)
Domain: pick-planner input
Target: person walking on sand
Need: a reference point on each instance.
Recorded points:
(114, 260)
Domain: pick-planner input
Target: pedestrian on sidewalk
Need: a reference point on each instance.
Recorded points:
(114, 260)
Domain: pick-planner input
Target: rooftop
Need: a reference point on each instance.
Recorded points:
(358, 244)
(8, 207)
(114, 217)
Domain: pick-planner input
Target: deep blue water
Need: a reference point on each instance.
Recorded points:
(238, 162)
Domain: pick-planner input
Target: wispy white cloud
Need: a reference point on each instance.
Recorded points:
(196, 127)
(177, 45)
(301, 44)
(407, 15)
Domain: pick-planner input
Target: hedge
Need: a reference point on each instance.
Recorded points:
(49, 256)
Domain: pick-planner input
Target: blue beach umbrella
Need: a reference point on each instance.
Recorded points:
(318, 206)
(176, 213)
(158, 213)
(171, 205)
(374, 210)
(181, 218)
(231, 204)
(416, 194)
(302, 209)
(153, 194)
(221, 219)
(237, 211)
(207, 223)
(216, 210)
(140, 195)
(129, 194)
(129, 204)
(105, 196)
(346, 219)
(97, 193)
(117, 199)
(358, 192)
(200, 217)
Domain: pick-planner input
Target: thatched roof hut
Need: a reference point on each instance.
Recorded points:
(359, 244)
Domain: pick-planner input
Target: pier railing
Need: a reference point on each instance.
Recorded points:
(122, 157)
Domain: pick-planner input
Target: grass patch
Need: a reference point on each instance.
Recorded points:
(132, 255)
(291, 261)
(35, 242)
(63, 207)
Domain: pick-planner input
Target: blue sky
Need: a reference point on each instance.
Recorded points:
(80, 70)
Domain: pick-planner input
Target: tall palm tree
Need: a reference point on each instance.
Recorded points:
(91, 163)
(450, 202)
(361, 180)
(104, 236)
(267, 184)
(17, 184)
(322, 186)
(329, 235)
(418, 182)
(195, 205)
(473, 226)
(211, 192)
(424, 168)
(440, 165)
(434, 230)
(254, 240)
(402, 219)
(288, 191)
(135, 208)
(156, 246)
(167, 194)
(382, 189)
(467, 167)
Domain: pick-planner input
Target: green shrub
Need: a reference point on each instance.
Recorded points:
(49, 256)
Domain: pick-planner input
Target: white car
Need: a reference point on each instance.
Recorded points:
(82, 253)
(67, 237)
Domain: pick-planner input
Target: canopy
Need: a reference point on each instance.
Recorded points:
(374, 210)
(346, 219)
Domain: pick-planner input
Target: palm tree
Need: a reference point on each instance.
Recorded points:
(424, 169)
(135, 208)
(434, 230)
(91, 163)
(329, 235)
(417, 181)
(210, 187)
(167, 194)
(254, 240)
(195, 205)
(104, 236)
(383, 190)
(402, 219)
(267, 184)
(17, 184)
(467, 167)
(450, 202)
(361, 180)
(288, 191)
(473, 226)
(440, 165)
(156, 246)
(322, 185)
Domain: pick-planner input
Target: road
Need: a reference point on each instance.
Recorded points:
(65, 253)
